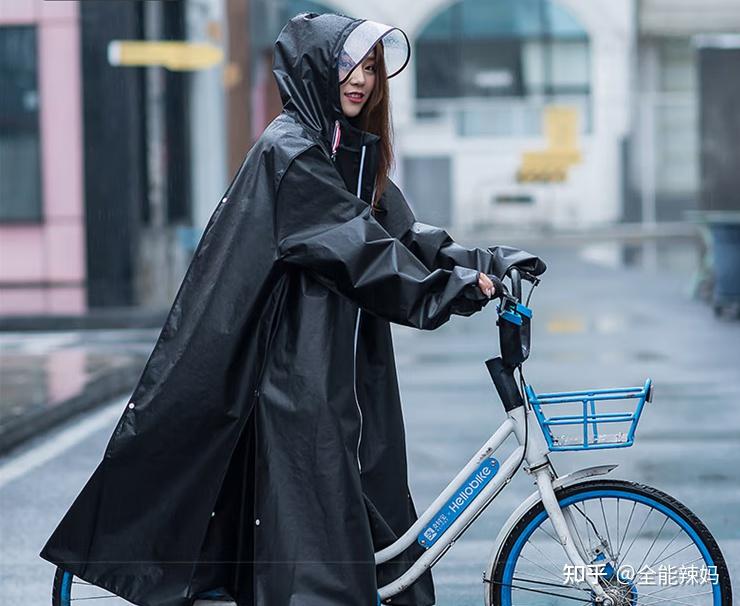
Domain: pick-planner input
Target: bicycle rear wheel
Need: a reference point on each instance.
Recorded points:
(655, 550)
(69, 590)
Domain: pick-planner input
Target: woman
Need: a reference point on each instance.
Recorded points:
(263, 449)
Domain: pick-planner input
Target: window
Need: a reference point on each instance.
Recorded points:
(496, 63)
(20, 171)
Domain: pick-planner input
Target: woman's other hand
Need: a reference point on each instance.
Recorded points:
(486, 285)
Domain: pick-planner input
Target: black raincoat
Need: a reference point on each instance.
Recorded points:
(262, 449)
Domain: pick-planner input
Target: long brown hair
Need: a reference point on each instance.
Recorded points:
(375, 118)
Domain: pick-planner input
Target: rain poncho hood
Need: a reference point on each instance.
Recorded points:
(262, 450)
(314, 52)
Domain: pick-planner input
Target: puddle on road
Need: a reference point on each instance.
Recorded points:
(38, 371)
(42, 381)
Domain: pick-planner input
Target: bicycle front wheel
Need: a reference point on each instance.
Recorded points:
(642, 545)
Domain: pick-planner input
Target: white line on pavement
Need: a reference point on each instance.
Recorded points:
(57, 444)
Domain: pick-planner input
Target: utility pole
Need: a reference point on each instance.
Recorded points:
(237, 83)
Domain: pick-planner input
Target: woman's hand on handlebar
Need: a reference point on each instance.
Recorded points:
(490, 285)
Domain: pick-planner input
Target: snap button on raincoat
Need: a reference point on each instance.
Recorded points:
(265, 449)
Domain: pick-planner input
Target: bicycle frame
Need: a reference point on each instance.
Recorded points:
(472, 490)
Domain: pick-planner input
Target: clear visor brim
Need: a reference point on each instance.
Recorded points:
(361, 41)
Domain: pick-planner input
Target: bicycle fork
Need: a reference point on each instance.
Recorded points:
(564, 529)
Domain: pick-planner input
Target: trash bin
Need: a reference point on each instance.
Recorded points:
(724, 227)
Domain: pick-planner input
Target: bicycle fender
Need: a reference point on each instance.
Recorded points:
(532, 499)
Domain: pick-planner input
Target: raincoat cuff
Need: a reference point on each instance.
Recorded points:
(505, 257)
(470, 277)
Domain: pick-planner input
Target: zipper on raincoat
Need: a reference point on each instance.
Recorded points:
(354, 385)
(357, 330)
(359, 177)
(335, 139)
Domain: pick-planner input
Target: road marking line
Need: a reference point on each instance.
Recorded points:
(565, 325)
(56, 444)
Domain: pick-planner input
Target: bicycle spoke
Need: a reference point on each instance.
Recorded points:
(678, 532)
(544, 555)
(557, 595)
(590, 525)
(636, 536)
(558, 585)
(674, 553)
(673, 600)
(540, 567)
(626, 530)
(578, 534)
(642, 595)
(606, 526)
(657, 536)
(588, 528)
(84, 591)
(700, 557)
(666, 588)
(615, 556)
(548, 534)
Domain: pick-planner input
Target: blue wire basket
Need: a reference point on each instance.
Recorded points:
(595, 419)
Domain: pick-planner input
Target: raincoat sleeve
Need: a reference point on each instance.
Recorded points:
(434, 247)
(326, 230)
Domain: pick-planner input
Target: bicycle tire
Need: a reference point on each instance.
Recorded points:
(499, 586)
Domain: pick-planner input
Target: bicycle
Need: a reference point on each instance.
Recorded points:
(582, 556)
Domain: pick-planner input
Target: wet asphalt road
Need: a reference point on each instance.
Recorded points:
(595, 325)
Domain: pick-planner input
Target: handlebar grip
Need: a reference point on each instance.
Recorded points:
(516, 283)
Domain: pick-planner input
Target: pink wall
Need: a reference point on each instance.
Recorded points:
(46, 262)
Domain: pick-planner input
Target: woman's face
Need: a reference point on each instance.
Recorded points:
(355, 90)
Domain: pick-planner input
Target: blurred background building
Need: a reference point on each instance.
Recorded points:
(538, 114)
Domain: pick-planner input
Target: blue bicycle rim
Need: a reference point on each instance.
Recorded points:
(66, 588)
(582, 496)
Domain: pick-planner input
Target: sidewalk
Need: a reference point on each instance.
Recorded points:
(47, 377)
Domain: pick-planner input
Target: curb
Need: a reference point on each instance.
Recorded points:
(40, 419)
(113, 318)
(623, 232)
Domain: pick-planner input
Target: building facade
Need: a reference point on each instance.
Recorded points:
(473, 103)
(42, 213)
(524, 114)
(663, 174)
(108, 173)
(552, 114)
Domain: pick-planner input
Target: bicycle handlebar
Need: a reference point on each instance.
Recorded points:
(516, 283)
(516, 276)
